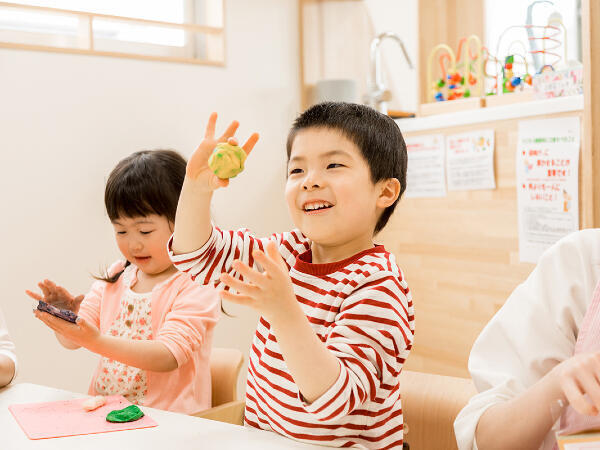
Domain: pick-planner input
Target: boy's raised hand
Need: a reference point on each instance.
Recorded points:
(197, 166)
(57, 296)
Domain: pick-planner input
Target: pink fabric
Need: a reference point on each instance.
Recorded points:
(184, 314)
(588, 341)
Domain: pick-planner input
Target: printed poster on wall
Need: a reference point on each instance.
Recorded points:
(425, 175)
(470, 161)
(547, 183)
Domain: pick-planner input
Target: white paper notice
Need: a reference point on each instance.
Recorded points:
(547, 183)
(470, 161)
(425, 171)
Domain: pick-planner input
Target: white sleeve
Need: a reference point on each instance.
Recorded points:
(6, 345)
(535, 329)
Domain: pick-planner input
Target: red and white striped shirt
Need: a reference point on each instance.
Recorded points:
(360, 307)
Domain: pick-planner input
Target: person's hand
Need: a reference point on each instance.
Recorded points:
(57, 296)
(80, 333)
(578, 376)
(197, 166)
(271, 292)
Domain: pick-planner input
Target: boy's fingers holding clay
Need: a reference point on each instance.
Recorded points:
(211, 125)
(250, 143)
(230, 131)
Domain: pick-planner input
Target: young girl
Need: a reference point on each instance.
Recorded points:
(151, 325)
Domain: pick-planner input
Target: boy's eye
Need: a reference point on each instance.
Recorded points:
(334, 165)
(121, 232)
(294, 171)
(146, 232)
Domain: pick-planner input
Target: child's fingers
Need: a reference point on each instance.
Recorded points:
(270, 265)
(47, 319)
(230, 131)
(33, 295)
(250, 143)
(44, 289)
(249, 274)
(273, 253)
(240, 286)
(211, 125)
(232, 141)
(237, 298)
(220, 182)
(77, 300)
(589, 384)
(576, 398)
(62, 291)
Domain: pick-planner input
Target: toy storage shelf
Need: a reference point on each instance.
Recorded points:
(493, 113)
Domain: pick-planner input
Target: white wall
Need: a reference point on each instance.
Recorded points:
(65, 120)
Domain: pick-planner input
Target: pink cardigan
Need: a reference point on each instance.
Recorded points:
(184, 314)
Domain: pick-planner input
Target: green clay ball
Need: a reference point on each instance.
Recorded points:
(129, 414)
(227, 160)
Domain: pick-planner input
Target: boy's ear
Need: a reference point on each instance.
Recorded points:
(389, 190)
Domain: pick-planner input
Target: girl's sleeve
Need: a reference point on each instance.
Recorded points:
(90, 307)
(371, 338)
(206, 264)
(535, 330)
(195, 311)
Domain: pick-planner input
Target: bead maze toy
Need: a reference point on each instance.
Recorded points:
(459, 79)
(549, 36)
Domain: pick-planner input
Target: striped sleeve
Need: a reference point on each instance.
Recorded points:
(225, 246)
(371, 338)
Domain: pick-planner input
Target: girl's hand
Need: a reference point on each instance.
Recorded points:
(197, 166)
(80, 333)
(271, 292)
(57, 296)
(578, 376)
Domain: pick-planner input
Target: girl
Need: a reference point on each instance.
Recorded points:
(151, 325)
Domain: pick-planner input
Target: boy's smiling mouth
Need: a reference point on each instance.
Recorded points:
(316, 206)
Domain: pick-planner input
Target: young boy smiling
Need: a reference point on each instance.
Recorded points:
(337, 317)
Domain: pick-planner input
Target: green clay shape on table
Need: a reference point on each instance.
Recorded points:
(227, 160)
(129, 414)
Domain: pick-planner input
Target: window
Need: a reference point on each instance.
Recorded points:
(172, 30)
(529, 42)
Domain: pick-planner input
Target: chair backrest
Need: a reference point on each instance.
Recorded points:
(225, 365)
(430, 403)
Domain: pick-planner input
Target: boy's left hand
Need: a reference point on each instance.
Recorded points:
(271, 292)
(81, 333)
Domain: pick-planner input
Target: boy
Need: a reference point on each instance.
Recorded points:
(337, 317)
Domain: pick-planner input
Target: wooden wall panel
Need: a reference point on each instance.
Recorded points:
(590, 24)
(460, 256)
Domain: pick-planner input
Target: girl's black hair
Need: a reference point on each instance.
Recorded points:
(376, 135)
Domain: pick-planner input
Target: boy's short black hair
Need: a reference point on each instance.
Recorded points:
(376, 135)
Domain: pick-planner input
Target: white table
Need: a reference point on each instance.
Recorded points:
(174, 431)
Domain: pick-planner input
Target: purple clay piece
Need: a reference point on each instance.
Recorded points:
(63, 314)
